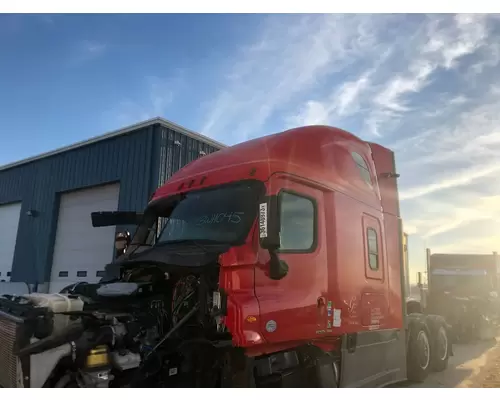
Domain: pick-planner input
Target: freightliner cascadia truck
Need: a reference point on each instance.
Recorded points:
(277, 262)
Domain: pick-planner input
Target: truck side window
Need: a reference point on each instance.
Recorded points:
(297, 220)
(363, 168)
(372, 248)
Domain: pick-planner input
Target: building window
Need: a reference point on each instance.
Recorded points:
(372, 240)
(363, 168)
(297, 223)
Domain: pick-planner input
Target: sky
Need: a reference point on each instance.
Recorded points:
(427, 86)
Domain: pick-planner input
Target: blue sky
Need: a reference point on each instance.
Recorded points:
(426, 86)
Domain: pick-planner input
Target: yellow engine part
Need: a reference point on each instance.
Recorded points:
(98, 357)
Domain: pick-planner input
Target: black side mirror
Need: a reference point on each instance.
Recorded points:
(115, 218)
(269, 235)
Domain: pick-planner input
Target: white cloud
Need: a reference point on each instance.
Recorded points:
(383, 91)
(93, 48)
(160, 95)
(290, 57)
(460, 99)
(344, 101)
(482, 244)
(452, 41)
(87, 50)
(461, 149)
(157, 97)
(468, 216)
(457, 165)
(453, 181)
(438, 45)
(313, 113)
(423, 85)
(390, 96)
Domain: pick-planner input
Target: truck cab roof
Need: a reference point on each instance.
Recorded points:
(329, 157)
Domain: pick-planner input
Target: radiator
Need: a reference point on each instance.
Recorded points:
(10, 331)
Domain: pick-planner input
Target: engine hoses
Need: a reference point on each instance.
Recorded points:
(174, 329)
(169, 333)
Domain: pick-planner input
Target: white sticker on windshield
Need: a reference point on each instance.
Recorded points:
(263, 220)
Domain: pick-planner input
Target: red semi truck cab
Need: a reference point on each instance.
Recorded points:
(311, 220)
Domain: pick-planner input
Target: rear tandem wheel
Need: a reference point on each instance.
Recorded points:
(418, 352)
(440, 342)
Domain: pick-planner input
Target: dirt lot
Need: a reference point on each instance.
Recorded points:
(473, 365)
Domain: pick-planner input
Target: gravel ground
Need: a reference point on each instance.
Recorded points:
(473, 365)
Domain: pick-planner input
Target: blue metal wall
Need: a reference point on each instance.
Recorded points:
(140, 161)
(174, 150)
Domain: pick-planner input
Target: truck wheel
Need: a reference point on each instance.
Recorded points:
(441, 345)
(237, 371)
(325, 376)
(440, 353)
(322, 370)
(419, 352)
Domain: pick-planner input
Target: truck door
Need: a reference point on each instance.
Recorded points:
(295, 307)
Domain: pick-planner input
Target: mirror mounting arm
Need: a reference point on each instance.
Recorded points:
(278, 269)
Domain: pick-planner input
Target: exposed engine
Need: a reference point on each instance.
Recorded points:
(150, 328)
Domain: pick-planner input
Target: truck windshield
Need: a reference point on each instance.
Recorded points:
(462, 285)
(220, 215)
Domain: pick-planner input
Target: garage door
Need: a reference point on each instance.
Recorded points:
(9, 222)
(80, 250)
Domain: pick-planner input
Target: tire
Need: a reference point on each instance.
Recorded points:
(485, 329)
(440, 343)
(323, 369)
(237, 371)
(441, 352)
(418, 352)
(324, 376)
